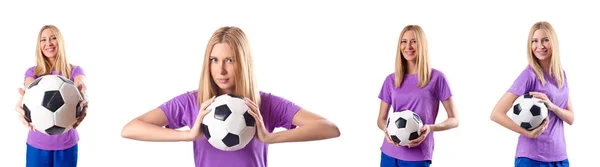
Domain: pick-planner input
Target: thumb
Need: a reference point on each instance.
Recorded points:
(21, 91)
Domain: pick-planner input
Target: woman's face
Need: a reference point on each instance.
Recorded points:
(540, 45)
(408, 45)
(222, 67)
(48, 43)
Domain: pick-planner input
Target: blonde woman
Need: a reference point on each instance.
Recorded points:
(228, 69)
(543, 78)
(52, 150)
(417, 87)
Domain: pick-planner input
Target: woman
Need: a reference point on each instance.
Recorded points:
(228, 69)
(417, 87)
(52, 150)
(543, 78)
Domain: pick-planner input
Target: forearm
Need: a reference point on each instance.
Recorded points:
(319, 130)
(143, 131)
(381, 124)
(447, 124)
(506, 122)
(565, 115)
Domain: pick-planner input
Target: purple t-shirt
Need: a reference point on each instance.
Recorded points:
(550, 145)
(54, 142)
(423, 101)
(276, 111)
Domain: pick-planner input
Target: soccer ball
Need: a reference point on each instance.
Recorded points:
(228, 126)
(403, 126)
(528, 112)
(51, 104)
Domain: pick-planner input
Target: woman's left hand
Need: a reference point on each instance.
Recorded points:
(425, 130)
(261, 132)
(83, 105)
(544, 99)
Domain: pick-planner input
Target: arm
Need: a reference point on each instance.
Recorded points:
(499, 113)
(451, 122)
(80, 80)
(310, 127)
(149, 127)
(566, 115)
(383, 114)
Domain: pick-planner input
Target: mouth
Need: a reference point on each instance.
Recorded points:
(543, 53)
(49, 49)
(410, 52)
(222, 80)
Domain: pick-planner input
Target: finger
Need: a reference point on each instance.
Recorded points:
(251, 103)
(206, 103)
(253, 108)
(21, 91)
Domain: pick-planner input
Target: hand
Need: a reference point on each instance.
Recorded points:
(388, 139)
(537, 131)
(21, 112)
(196, 132)
(544, 99)
(261, 131)
(425, 130)
(83, 105)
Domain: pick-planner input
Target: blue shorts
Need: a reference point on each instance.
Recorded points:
(51, 158)
(387, 161)
(527, 162)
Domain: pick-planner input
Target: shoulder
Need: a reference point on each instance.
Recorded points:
(30, 72)
(31, 69)
(270, 98)
(528, 73)
(437, 74)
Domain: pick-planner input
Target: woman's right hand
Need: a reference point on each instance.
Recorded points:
(195, 132)
(537, 131)
(388, 139)
(21, 112)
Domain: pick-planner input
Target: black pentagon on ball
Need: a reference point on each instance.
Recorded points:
(249, 119)
(525, 125)
(535, 110)
(231, 140)
(400, 123)
(27, 113)
(65, 80)
(517, 109)
(205, 131)
(527, 96)
(417, 118)
(78, 110)
(34, 83)
(387, 124)
(222, 112)
(52, 100)
(395, 139)
(413, 135)
(54, 130)
(235, 96)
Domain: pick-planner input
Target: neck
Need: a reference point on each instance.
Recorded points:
(545, 64)
(411, 67)
(225, 91)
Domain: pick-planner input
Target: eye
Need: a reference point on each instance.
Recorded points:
(43, 40)
(534, 41)
(414, 41)
(403, 41)
(213, 59)
(546, 40)
(229, 60)
(53, 38)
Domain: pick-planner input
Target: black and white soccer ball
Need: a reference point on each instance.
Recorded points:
(228, 126)
(528, 112)
(403, 126)
(51, 104)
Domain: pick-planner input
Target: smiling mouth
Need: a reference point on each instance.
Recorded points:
(222, 80)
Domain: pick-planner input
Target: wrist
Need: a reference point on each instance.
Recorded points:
(271, 138)
(432, 127)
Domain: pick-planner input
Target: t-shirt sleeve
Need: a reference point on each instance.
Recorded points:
(177, 110)
(443, 91)
(30, 72)
(282, 112)
(77, 70)
(385, 94)
(523, 83)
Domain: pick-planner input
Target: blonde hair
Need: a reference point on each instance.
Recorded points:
(555, 65)
(43, 65)
(423, 66)
(245, 82)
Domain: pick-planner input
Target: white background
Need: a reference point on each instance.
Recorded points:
(329, 57)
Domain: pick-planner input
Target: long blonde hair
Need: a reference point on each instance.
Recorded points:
(43, 65)
(423, 66)
(556, 69)
(245, 85)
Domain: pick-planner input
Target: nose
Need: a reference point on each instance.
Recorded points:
(222, 69)
(410, 46)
